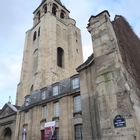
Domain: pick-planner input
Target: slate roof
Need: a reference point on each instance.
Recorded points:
(87, 63)
(45, 94)
(12, 110)
(12, 107)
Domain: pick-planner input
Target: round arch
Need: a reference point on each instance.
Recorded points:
(7, 134)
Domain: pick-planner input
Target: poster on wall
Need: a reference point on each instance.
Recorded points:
(49, 130)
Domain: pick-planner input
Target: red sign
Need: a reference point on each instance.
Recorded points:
(49, 130)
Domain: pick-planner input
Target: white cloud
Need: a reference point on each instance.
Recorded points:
(10, 67)
(14, 22)
(87, 51)
(129, 9)
(9, 76)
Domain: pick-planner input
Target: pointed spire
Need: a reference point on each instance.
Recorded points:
(59, 1)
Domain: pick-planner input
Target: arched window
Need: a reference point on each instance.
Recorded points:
(38, 15)
(54, 9)
(78, 132)
(39, 31)
(62, 15)
(60, 57)
(7, 134)
(45, 8)
(34, 36)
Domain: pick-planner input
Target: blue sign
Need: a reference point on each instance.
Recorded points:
(119, 121)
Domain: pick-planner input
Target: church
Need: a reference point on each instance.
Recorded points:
(60, 97)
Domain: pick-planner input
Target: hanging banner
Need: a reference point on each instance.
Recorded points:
(49, 130)
(23, 134)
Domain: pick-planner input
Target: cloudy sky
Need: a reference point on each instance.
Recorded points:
(16, 18)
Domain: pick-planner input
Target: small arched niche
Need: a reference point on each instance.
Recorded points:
(45, 8)
(54, 9)
(62, 14)
(7, 133)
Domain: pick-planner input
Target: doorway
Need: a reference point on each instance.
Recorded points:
(7, 134)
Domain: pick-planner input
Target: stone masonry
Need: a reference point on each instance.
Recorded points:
(39, 67)
(107, 88)
(100, 100)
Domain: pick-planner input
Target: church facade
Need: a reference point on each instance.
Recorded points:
(94, 100)
(49, 81)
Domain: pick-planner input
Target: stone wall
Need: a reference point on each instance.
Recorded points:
(129, 46)
(106, 87)
(10, 123)
(38, 110)
(33, 119)
(39, 66)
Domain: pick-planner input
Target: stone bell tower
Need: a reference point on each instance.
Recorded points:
(52, 49)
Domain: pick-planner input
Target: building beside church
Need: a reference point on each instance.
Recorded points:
(94, 100)
(109, 81)
(8, 121)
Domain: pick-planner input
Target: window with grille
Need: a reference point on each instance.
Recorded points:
(44, 112)
(43, 95)
(56, 134)
(78, 132)
(56, 109)
(75, 83)
(77, 104)
(55, 90)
